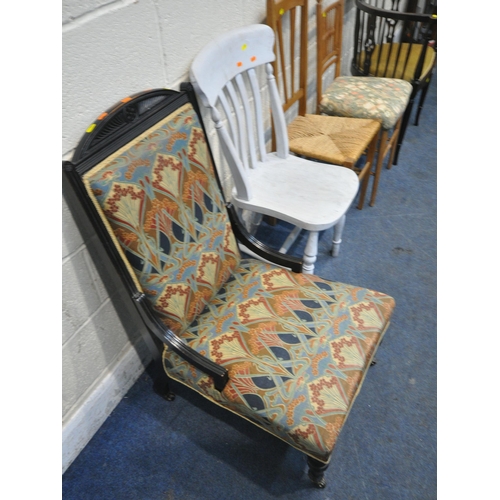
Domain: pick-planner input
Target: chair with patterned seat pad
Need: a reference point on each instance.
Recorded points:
(285, 350)
(380, 98)
(392, 40)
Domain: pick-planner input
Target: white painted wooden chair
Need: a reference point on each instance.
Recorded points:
(310, 195)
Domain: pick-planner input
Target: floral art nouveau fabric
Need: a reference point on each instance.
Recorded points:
(296, 346)
(161, 201)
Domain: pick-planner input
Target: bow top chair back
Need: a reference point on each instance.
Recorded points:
(392, 43)
(310, 195)
(285, 350)
(336, 140)
(382, 99)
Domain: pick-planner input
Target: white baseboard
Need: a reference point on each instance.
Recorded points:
(95, 409)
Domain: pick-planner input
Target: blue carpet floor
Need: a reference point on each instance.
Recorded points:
(190, 449)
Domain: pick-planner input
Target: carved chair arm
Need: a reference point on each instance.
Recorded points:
(218, 373)
(78, 200)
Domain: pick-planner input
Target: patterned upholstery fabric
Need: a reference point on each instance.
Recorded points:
(162, 203)
(382, 99)
(296, 348)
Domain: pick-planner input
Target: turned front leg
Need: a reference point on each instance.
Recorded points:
(316, 472)
(310, 252)
(337, 236)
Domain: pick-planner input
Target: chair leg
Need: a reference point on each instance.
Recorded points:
(337, 236)
(364, 188)
(161, 382)
(404, 124)
(254, 222)
(367, 171)
(310, 252)
(422, 98)
(394, 139)
(290, 239)
(316, 472)
(378, 169)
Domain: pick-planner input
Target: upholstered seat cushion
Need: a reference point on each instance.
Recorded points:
(332, 139)
(382, 99)
(297, 348)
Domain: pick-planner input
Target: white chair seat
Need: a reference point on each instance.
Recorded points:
(321, 193)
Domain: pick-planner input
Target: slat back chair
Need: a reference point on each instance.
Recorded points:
(284, 350)
(382, 99)
(336, 140)
(392, 43)
(310, 195)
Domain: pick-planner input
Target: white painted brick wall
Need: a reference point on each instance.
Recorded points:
(112, 49)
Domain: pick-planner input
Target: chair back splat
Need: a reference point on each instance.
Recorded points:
(285, 350)
(232, 82)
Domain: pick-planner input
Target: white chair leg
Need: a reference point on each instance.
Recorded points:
(251, 220)
(290, 240)
(310, 252)
(337, 236)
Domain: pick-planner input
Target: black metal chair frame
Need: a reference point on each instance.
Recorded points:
(374, 26)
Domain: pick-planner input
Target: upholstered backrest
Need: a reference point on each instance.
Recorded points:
(159, 198)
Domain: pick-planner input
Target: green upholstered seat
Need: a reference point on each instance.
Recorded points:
(377, 98)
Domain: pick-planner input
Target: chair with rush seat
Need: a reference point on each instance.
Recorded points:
(336, 140)
(285, 350)
(310, 195)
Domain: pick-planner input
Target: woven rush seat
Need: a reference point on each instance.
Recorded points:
(296, 347)
(339, 141)
(285, 350)
(382, 99)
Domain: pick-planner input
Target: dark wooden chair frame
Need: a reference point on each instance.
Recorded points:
(375, 25)
(116, 128)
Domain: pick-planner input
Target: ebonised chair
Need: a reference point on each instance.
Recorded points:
(285, 350)
(390, 42)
